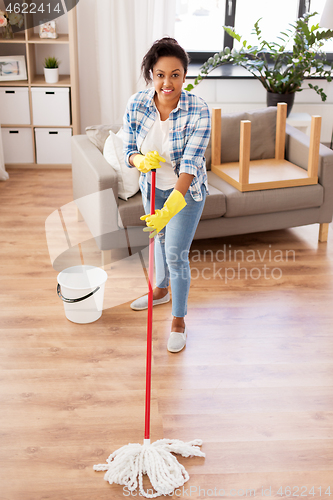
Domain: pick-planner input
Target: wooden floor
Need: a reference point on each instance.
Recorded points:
(255, 381)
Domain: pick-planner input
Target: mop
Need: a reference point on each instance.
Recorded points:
(127, 465)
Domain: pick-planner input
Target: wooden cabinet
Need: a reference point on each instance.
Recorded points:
(34, 48)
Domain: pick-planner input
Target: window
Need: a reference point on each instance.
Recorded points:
(199, 23)
(275, 18)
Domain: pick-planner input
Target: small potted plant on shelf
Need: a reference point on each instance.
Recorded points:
(282, 66)
(51, 70)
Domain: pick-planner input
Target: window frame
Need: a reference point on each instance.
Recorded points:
(198, 57)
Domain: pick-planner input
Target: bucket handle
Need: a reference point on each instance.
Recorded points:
(72, 301)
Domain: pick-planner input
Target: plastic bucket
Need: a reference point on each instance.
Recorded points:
(81, 289)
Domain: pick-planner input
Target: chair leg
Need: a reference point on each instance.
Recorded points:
(323, 232)
(106, 258)
(244, 153)
(280, 136)
(314, 146)
(216, 136)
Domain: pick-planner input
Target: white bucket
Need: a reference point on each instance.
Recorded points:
(81, 288)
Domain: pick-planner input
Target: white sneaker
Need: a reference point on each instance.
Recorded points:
(177, 341)
(142, 302)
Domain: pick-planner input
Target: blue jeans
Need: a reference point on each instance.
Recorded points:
(172, 246)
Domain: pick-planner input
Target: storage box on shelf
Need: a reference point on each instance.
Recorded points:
(33, 104)
(18, 145)
(50, 106)
(14, 105)
(53, 145)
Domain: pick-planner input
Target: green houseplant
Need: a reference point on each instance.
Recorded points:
(280, 67)
(51, 70)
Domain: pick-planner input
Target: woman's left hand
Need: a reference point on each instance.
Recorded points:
(156, 222)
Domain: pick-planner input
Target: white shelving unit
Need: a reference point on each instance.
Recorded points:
(34, 48)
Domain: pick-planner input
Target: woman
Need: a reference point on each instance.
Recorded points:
(167, 124)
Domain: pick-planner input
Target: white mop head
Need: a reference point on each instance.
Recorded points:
(127, 465)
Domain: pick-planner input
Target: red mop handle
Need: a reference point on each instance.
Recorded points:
(150, 311)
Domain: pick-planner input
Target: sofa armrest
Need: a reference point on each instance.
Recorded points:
(91, 172)
(95, 189)
(297, 152)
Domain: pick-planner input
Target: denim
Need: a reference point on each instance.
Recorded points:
(172, 246)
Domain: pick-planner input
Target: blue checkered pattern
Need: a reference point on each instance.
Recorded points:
(189, 135)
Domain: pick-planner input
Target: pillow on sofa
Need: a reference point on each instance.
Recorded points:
(99, 133)
(263, 127)
(128, 178)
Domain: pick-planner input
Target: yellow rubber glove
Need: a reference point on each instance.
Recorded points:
(174, 204)
(147, 162)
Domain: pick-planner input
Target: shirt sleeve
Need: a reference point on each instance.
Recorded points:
(194, 152)
(129, 128)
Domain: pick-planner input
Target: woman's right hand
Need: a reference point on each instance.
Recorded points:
(147, 162)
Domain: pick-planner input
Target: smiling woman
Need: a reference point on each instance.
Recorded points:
(165, 123)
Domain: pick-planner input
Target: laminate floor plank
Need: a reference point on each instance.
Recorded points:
(245, 400)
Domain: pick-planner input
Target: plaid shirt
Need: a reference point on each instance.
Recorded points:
(189, 135)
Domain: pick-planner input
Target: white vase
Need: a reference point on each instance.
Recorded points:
(51, 75)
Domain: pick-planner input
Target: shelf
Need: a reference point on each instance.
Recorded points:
(52, 126)
(18, 38)
(62, 38)
(39, 81)
(46, 166)
(5, 125)
(14, 83)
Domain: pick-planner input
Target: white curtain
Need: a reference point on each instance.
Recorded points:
(125, 29)
(3, 174)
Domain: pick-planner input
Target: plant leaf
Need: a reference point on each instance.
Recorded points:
(189, 87)
(230, 31)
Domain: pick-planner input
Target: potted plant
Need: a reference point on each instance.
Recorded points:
(51, 70)
(282, 66)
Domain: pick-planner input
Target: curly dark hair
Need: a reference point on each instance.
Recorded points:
(166, 46)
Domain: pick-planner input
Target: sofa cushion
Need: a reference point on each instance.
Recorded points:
(263, 128)
(99, 133)
(215, 205)
(130, 211)
(128, 178)
(268, 200)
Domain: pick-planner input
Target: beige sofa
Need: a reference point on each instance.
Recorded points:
(116, 223)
